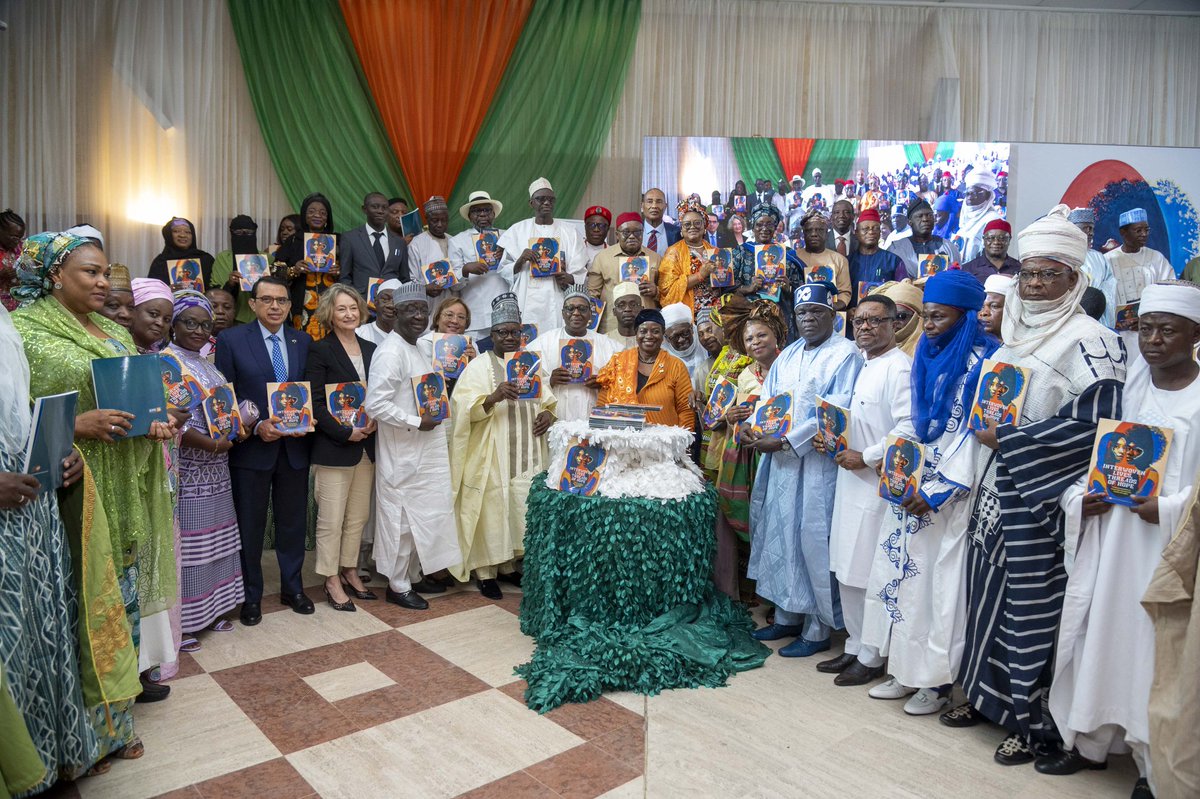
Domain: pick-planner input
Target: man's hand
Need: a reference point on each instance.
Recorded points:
(475, 268)
(987, 436)
(267, 431)
(433, 290)
(505, 391)
(916, 505)
(1146, 508)
(542, 422)
(850, 459)
(428, 423)
(648, 289)
(564, 280)
(559, 376)
(768, 445)
(1094, 505)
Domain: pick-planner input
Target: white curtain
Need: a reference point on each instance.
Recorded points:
(124, 113)
(907, 73)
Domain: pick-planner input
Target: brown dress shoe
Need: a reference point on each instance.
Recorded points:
(858, 674)
(836, 665)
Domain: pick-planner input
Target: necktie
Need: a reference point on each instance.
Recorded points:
(379, 254)
(652, 242)
(277, 359)
(841, 245)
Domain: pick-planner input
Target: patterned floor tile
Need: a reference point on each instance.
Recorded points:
(352, 680)
(584, 772)
(588, 720)
(515, 786)
(627, 744)
(436, 754)
(274, 779)
(486, 641)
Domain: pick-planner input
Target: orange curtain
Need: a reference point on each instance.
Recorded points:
(928, 148)
(433, 68)
(793, 154)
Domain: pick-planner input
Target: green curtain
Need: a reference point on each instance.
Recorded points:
(945, 149)
(835, 157)
(756, 159)
(913, 154)
(314, 107)
(553, 109)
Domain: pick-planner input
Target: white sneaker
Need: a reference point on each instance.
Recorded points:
(925, 701)
(891, 689)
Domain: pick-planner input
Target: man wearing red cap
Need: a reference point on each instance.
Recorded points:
(596, 221)
(869, 265)
(604, 271)
(994, 260)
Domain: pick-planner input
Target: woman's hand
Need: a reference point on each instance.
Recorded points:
(103, 424)
(17, 489)
(737, 414)
(161, 431)
(72, 468)
(358, 434)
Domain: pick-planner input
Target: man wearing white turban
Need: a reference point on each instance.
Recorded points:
(1015, 574)
(682, 341)
(977, 210)
(1096, 266)
(1104, 661)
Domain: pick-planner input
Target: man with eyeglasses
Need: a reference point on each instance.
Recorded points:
(604, 272)
(596, 221)
(879, 406)
(540, 298)
(994, 260)
(1015, 570)
(268, 462)
(1135, 266)
(575, 400)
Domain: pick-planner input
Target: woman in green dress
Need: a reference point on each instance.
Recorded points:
(124, 496)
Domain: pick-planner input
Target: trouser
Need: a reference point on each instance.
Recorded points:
(405, 567)
(854, 603)
(343, 506)
(813, 630)
(1108, 739)
(288, 489)
(490, 572)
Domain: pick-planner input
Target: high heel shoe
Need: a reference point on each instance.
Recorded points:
(347, 606)
(354, 592)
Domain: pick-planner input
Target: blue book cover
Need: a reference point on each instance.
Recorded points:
(132, 383)
(51, 437)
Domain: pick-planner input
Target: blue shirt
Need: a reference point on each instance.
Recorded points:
(271, 347)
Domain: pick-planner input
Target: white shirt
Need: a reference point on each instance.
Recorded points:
(540, 298)
(371, 332)
(477, 291)
(575, 401)
(662, 242)
(423, 250)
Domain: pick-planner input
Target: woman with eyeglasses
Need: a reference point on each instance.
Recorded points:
(210, 545)
(684, 276)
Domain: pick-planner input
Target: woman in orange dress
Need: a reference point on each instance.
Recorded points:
(646, 375)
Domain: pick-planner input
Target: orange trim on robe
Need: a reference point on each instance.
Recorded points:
(669, 385)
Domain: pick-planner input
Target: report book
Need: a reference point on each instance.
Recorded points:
(345, 403)
(575, 355)
(320, 252)
(185, 273)
(250, 268)
(487, 250)
(132, 383)
(833, 426)
(291, 406)
(722, 272)
(903, 467)
(999, 395)
(439, 273)
(722, 398)
(432, 400)
(51, 438)
(221, 413)
(581, 474)
(773, 416)
(1128, 461)
(524, 368)
(450, 354)
(597, 313)
(183, 390)
(634, 269)
(410, 224)
(547, 257)
(769, 264)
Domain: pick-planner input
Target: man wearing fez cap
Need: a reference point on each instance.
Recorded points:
(1134, 266)
(1095, 266)
(791, 506)
(604, 272)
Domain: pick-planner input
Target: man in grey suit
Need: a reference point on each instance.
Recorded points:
(372, 250)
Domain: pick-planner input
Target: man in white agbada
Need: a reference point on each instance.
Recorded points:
(1134, 266)
(1104, 658)
(681, 340)
(541, 297)
(376, 331)
(414, 508)
(575, 400)
(879, 405)
(498, 443)
(977, 210)
(430, 245)
(479, 282)
(1096, 266)
(791, 505)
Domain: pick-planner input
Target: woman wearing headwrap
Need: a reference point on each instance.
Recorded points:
(44, 724)
(124, 497)
(647, 375)
(118, 306)
(306, 288)
(914, 608)
(686, 266)
(764, 219)
(909, 301)
(1015, 572)
(12, 231)
(755, 333)
(243, 240)
(210, 545)
(179, 241)
(728, 364)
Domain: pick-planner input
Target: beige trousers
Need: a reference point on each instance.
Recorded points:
(344, 499)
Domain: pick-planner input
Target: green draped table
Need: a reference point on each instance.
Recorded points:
(618, 596)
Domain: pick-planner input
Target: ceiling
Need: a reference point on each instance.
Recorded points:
(1172, 7)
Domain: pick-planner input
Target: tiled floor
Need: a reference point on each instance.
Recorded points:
(393, 703)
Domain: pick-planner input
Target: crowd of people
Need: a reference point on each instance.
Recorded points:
(1002, 572)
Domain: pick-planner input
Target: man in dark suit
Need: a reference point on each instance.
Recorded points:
(372, 250)
(657, 235)
(841, 238)
(266, 461)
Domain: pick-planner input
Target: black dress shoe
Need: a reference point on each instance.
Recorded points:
(962, 716)
(152, 691)
(490, 589)
(1141, 789)
(251, 613)
(1062, 763)
(346, 606)
(1013, 751)
(837, 665)
(354, 592)
(858, 674)
(512, 578)
(299, 603)
(428, 586)
(409, 599)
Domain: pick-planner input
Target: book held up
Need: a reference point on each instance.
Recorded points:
(320, 252)
(134, 384)
(575, 355)
(450, 354)
(51, 438)
(903, 468)
(433, 402)
(833, 426)
(185, 273)
(221, 413)
(291, 406)
(1000, 394)
(548, 260)
(523, 368)
(345, 403)
(1128, 461)
(250, 269)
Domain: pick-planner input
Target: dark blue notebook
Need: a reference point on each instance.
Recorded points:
(51, 437)
(132, 383)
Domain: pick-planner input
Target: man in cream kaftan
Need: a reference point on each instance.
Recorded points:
(575, 400)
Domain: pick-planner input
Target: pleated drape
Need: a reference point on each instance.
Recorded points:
(433, 76)
(794, 155)
(313, 103)
(757, 159)
(552, 113)
(835, 157)
(928, 148)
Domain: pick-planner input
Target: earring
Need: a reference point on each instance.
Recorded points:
(58, 285)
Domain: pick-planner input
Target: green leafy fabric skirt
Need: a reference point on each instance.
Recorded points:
(618, 595)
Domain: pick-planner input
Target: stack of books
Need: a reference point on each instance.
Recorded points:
(615, 417)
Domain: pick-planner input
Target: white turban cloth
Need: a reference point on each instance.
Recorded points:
(538, 185)
(1053, 236)
(675, 314)
(1179, 298)
(998, 284)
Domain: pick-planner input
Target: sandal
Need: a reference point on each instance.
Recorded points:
(189, 644)
(222, 626)
(130, 751)
(103, 767)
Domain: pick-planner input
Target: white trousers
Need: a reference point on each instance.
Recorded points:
(854, 603)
